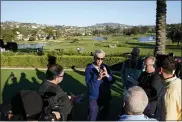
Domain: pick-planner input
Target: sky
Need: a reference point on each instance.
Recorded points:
(86, 13)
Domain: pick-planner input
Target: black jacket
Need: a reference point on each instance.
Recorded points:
(178, 71)
(54, 95)
(152, 85)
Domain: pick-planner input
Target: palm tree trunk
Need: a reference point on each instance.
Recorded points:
(160, 27)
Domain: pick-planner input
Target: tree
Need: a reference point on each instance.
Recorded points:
(7, 34)
(135, 30)
(34, 32)
(32, 38)
(58, 34)
(49, 31)
(16, 30)
(160, 27)
(127, 32)
(108, 30)
(174, 33)
(96, 32)
(144, 29)
(117, 30)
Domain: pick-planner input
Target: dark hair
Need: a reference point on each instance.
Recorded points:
(167, 62)
(53, 71)
(51, 59)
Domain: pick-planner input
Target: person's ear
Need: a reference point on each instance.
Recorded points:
(123, 104)
(160, 70)
(57, 78)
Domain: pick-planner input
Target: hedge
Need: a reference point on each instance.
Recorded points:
(41, 61)
(58, 52)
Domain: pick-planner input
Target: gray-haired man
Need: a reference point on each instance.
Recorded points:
(135, 102)
(98, 78)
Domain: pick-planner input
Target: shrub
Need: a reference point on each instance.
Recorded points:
(32, 38)
(42, 61)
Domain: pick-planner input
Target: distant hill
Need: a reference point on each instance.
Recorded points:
(110, 24)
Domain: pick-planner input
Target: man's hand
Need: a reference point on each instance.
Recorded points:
(57, 114)
(100, 75)
(105, 73)
(72, 98)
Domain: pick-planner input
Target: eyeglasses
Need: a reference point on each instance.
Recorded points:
(100, 59)
(146, 65)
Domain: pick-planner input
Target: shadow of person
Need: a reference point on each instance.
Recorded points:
(10, 88)
(115, 109)
(25, 84)
(118, 85)
(36, 84)
(78, 71)
(72, 85)
(40, 74)
(116, 67)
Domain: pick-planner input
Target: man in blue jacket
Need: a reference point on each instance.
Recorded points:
(98, 78)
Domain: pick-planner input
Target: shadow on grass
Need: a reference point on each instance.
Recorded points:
(175, 47)
(11, 88)
(115, 108)
(40, 74)
(78, 71)
(27, 50)
(115, 103)
(69, 84)
(142, 45)
(152, 46)
(116, 67)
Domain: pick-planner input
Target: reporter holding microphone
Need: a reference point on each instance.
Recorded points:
(98, 78)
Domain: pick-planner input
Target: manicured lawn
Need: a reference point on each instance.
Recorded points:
(73, 82)
(90, 45)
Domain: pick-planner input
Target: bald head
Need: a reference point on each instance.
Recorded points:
(135, 100)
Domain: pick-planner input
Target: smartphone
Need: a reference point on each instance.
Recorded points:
(78, 98)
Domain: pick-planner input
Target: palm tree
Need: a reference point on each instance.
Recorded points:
(160, 27)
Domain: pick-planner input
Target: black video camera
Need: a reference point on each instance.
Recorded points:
(49, 116)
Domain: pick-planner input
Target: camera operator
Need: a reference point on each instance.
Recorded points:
(26, 105)
(54, 75)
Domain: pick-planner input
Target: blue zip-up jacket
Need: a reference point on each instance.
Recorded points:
(98, 88)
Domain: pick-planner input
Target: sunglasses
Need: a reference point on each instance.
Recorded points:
(100, 59)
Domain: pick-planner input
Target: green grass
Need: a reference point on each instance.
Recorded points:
(73, 82)
(90, 45)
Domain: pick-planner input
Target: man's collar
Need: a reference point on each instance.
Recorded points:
(127, 115)
(170, 79)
